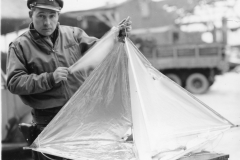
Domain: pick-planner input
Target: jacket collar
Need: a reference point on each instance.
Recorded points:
(37, 36)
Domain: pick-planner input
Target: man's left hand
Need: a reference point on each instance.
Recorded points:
(125, 28)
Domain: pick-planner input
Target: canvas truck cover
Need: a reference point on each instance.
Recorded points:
(125, 95)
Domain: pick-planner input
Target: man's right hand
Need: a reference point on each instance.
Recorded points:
(60, 74)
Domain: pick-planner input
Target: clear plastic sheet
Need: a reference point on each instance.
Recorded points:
(168, 121)
(126, 93)
(94, 121)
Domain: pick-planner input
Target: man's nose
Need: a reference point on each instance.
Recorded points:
(47, 21)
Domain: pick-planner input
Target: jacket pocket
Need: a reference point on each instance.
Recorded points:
(74, 51)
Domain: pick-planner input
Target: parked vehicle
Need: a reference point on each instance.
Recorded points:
(191, 66)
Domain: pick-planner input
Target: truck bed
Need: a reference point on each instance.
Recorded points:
(188, 56)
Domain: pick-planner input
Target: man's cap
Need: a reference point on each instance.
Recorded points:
(55, 5)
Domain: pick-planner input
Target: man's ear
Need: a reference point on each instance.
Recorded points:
(58, 15)
(30, 13)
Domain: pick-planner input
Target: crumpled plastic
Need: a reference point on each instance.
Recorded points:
(94, 122)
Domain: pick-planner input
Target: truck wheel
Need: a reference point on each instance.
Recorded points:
(197, 83)
(175, 78)
(210, 83)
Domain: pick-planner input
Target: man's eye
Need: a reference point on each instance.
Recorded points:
(52, 16)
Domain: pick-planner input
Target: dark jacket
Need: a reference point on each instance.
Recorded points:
(32, 60)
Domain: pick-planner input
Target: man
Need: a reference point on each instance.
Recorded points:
(38, 62)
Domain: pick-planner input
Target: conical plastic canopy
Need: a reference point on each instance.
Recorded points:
(125, 93)
(165, 116)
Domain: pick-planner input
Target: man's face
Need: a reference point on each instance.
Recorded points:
(45, 21)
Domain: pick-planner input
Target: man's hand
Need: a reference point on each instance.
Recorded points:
(125, 28)
(60, 74)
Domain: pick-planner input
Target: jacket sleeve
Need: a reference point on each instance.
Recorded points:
(19, 81)
(85, 42)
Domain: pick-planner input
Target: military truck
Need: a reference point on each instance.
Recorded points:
(194, 67)
(184, 56)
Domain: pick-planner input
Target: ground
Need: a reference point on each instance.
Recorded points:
(224, 97)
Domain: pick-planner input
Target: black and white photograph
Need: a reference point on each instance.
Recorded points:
(120, 79)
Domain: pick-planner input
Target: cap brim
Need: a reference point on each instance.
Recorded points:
(48, 7)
